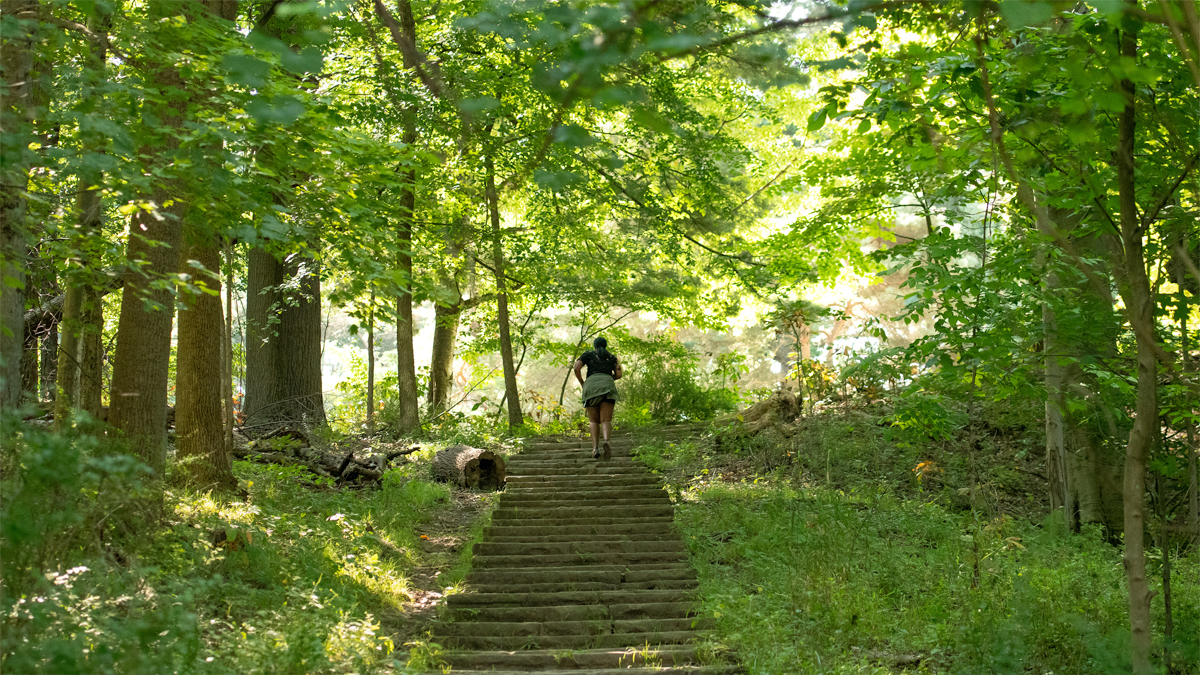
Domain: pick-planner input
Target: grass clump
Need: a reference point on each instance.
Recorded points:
(819, 549)
(290, 577)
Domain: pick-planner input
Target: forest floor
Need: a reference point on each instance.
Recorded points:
(834, 545)
(841, 544)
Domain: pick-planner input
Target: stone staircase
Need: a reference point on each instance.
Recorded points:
(581, 571)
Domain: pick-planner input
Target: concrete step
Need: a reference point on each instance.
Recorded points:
(654, 610)
(596, 626)
(586, 470)
(663, 534)
(579, 482)
(534, 660)
(574, 586)
(573, 598)
(584, 506)
(529, 548)
(573, 515)
(572, 493)
(613, 574)
(647, 670)
(554, 487)
(564, 559)
(657, 527)
(560, 642)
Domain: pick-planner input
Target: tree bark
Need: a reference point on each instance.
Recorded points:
(441, 366)
(409, 420)
(371, 365)
(227, 350)
(299, 357)
(264, 276)
(283, 341)
(49, 360)
(199, 425)
(143, 351)
(16, 64)
(79, 340)
(91, 353)
(506, 354)
(469, 467)
(1140, 302)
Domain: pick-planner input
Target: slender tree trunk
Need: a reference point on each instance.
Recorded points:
(227, 345)
(74, 350)
(371, 364)
(1058, 472)
(264, 276)
(506, 352)
(67, 376)
(29, 363)
(1140, 301)
(91, 353)
(49, 361)
(409, 420)
(16, 64)
(199, 423)
(441, 366)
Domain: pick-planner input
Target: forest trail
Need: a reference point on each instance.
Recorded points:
(580, 571)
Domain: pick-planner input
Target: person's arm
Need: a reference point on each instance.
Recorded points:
(618, 372)
(579, 367)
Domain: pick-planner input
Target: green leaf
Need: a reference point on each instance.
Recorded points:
(864, 126)
(309, 60)
(1021, 13)
(649, 118)
(280, 110)
(555, 181)
(573, 135)
(479, 104)
(13, 282)
(246, 70)
(817, 119)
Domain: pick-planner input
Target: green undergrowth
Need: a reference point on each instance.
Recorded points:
(824, 552)
(307, 578)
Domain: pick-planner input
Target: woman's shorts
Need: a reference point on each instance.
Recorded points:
(595, 402)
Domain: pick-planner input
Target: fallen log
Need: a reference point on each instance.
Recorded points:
(470, 467)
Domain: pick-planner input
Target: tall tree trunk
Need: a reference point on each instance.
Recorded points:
(227, 350)
(1140, 301)
(1085, 483)
(506, 354)
(409, 419)
(79, 339)
(299, 358)
(143, 352)
(16, 64)
(441, 365)
(201, 378)
(264, 276)
(283, 341)
(91, 353)
(199, 427)
(371, 365)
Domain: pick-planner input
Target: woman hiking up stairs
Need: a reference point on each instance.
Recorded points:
(580, 571)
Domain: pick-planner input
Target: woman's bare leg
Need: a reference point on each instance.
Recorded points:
(594, 417)
(606, 415)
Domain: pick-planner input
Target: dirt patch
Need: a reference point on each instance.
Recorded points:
(442, 541)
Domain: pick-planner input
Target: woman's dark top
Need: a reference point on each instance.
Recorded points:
(595, 363)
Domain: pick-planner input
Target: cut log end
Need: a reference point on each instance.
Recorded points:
(470, 468)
